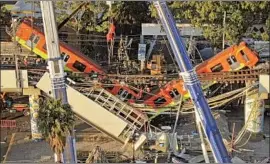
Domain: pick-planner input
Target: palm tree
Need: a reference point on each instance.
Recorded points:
(55, 122)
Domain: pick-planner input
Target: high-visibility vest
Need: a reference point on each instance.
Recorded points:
(111, 32)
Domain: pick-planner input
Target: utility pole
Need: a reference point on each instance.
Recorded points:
(142, 49)
(55, 64)
(152, 44)
(18, 79)
(199, 126)
(224, 28)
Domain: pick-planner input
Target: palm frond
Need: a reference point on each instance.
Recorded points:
(55, 122)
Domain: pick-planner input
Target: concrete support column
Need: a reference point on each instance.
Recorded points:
(142, 60)
(254, 113)
(34, 107)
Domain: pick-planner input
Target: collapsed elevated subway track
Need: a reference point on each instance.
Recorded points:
(240, 76)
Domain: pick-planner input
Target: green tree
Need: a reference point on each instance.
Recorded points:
(5, 15)
(55, 122)
(266, 35)
(90, 20)
(91, 17)
(128, 16)
(95, 16)
(208, 15)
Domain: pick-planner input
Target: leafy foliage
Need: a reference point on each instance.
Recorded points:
(95, 16)
(92, 17)
(5, 16)
(128, 16)
(208, 15)
(55, 122)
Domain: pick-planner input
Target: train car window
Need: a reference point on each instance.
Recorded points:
(65, 57)
(129, 96)
(45, 47)
(171, 94)
(217, 68)
(176, 92)
(229, 61)
(124, 94)
(120, 91)
(160, 101)
(233, 58)
(31, 37)
(79, 66)
(244, 55)
(36, 39)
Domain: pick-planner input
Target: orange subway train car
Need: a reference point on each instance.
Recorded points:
(33, 39)
(124, 92)
(233, 58)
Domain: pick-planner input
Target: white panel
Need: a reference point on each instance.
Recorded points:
(264, 85)
(8, 79)
(152, 29)
(140, 142)
(24, 78)
(156, 29)
(88, 109)
(188, 31)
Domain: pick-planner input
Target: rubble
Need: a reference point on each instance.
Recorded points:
(196, 159)
(236, 159)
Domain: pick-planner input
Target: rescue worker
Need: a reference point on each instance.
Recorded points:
(25, 61)
(147, 89)
(8, 101)
(38, 61)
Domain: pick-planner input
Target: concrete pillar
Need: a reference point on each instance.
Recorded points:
(34, 107)
(142, 61)
(254, 113)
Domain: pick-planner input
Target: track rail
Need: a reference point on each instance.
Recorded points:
(8, 62)
(240, 76)
(227, 77)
